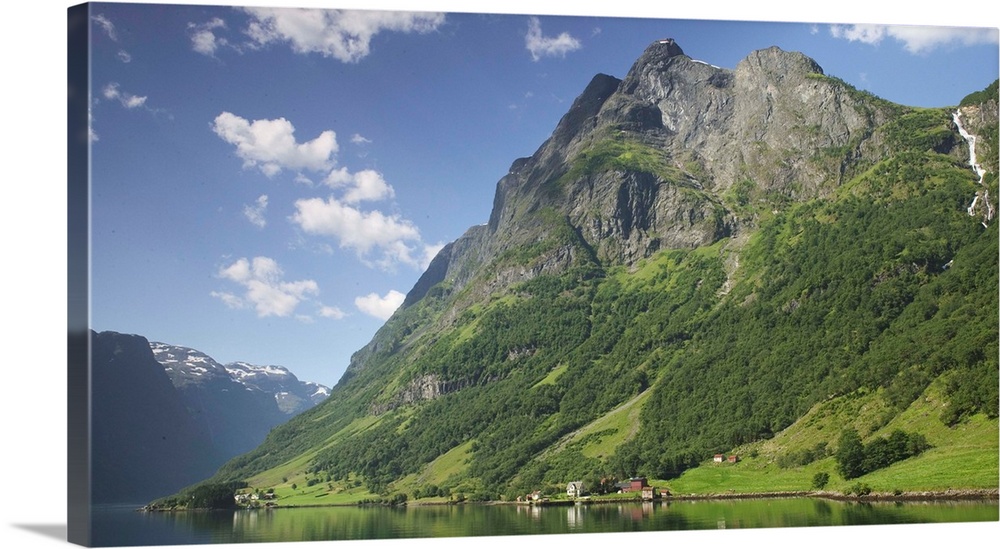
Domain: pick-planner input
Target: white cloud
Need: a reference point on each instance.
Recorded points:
(359, 139)
(264, 288)
(380, 307)
(129, 101)
(255, 212)
(358, 230)
(341, 34)
(923, 39)
(232, 301)
(109, 28)
(361, 186)
(203, 38)
(916, 39)
(107, 25)
(378, 239)
(867, 34)
(270, 145)
(331, 312)
(545, 46)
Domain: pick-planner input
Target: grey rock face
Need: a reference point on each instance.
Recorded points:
(765, 124)
(425, 387)
(761, 121)
(650, 162)
(631, 215)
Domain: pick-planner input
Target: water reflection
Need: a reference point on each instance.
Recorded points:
(574, 516)
(126, 527)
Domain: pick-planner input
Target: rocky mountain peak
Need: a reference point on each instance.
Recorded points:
(641, 164)
(778, 64)
(665, 47)
(186, 366)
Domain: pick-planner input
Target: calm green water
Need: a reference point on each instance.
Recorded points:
(123, 526)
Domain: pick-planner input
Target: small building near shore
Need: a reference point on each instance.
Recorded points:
(634, 484)
(575, 489)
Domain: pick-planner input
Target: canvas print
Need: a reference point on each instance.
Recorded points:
(372, 275)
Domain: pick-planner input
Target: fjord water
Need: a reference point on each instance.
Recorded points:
(115, 526)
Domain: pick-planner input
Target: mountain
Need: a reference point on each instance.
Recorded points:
(167, 416)
(694, 260)
(291, 395)
(240, 401)
(144, 442)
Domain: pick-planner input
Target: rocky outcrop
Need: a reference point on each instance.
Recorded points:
(628, 216)
(425, 387)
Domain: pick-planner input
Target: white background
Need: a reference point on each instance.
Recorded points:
(33, 268)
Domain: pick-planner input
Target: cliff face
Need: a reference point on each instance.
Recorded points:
(645, 163)
(678, 154)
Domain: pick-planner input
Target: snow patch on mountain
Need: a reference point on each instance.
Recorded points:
(185, 365)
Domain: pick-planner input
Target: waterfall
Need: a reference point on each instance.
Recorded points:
(976, 167)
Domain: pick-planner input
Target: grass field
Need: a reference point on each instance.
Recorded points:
(966, 456)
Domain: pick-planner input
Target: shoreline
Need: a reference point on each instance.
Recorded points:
(927, 495)
(971, 494)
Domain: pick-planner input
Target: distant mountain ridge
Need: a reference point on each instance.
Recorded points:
(166, 416)
(185, 366)
(293, 396)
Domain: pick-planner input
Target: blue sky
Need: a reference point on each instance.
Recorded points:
(268, 184)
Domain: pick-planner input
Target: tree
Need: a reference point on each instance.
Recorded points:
(850, 454)
(820, 480)
(214, 496)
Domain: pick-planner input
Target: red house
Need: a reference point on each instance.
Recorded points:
(638, 483)
(634, 484)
